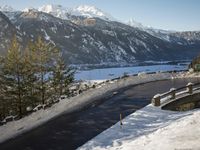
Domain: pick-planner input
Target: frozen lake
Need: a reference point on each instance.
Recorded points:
(110, 73)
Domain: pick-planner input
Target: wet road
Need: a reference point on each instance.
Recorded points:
(69, 131)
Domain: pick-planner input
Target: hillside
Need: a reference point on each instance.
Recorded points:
(96, 39)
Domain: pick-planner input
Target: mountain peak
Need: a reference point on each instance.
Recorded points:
(135, 24)
(52, 8)
(82, 10)
(92, 11)
(30, 9)
(55, 10)
(6, 8)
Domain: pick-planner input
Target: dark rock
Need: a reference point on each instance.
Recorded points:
(9, 118)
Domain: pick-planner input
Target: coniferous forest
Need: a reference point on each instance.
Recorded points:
(31, 76)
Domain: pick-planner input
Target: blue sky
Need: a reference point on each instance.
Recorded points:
(163, 14)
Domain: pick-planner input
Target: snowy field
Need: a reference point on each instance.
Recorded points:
(151, 129)
(110, 73)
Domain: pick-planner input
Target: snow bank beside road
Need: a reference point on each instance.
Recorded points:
(181, 134)
(12, 129)
(151, 129)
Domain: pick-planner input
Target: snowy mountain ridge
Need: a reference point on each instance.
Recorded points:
(56, 10)
(92, 11)
(7, 8)
(82, 10)
(86, 40)
(133, 23)
(64, 13)
(159, 33)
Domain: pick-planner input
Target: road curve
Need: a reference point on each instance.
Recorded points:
(69, 131)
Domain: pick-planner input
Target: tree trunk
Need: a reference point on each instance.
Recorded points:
(19, 96)
(43, 90)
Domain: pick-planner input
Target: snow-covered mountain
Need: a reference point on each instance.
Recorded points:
(7, 30)
(159, 33)
(63, 12)
(133, 23)
(56, 10)
(91, 12)
(83, 10)
(182, 38)
(9, 12)
(6, 8)
(95, 40)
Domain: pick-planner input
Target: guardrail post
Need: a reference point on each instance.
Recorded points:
(120, 116)
(189, 87)
(173, 93)
(156, 100)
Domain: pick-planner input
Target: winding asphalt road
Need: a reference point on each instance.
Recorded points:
(69, 131)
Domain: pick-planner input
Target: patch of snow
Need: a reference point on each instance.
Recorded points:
(67, 36)
(29, 9)
(56, 10)
(107, 32)
(6, 26)
(132, 49)
(91, 12)
(82, 10)
(47, 37)
(135, 24)
(151, 129)
(122, 50)
(54, 29)
(18, 27)
(180, 43)
(174, 136)
(84, 41)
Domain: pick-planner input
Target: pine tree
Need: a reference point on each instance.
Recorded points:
(30, 77)
(44, 52)
(6, 102)
(3, 104)
(13, 72)
(62, 76)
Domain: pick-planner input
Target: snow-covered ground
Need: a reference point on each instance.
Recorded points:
(151, 129)
(110, 73)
